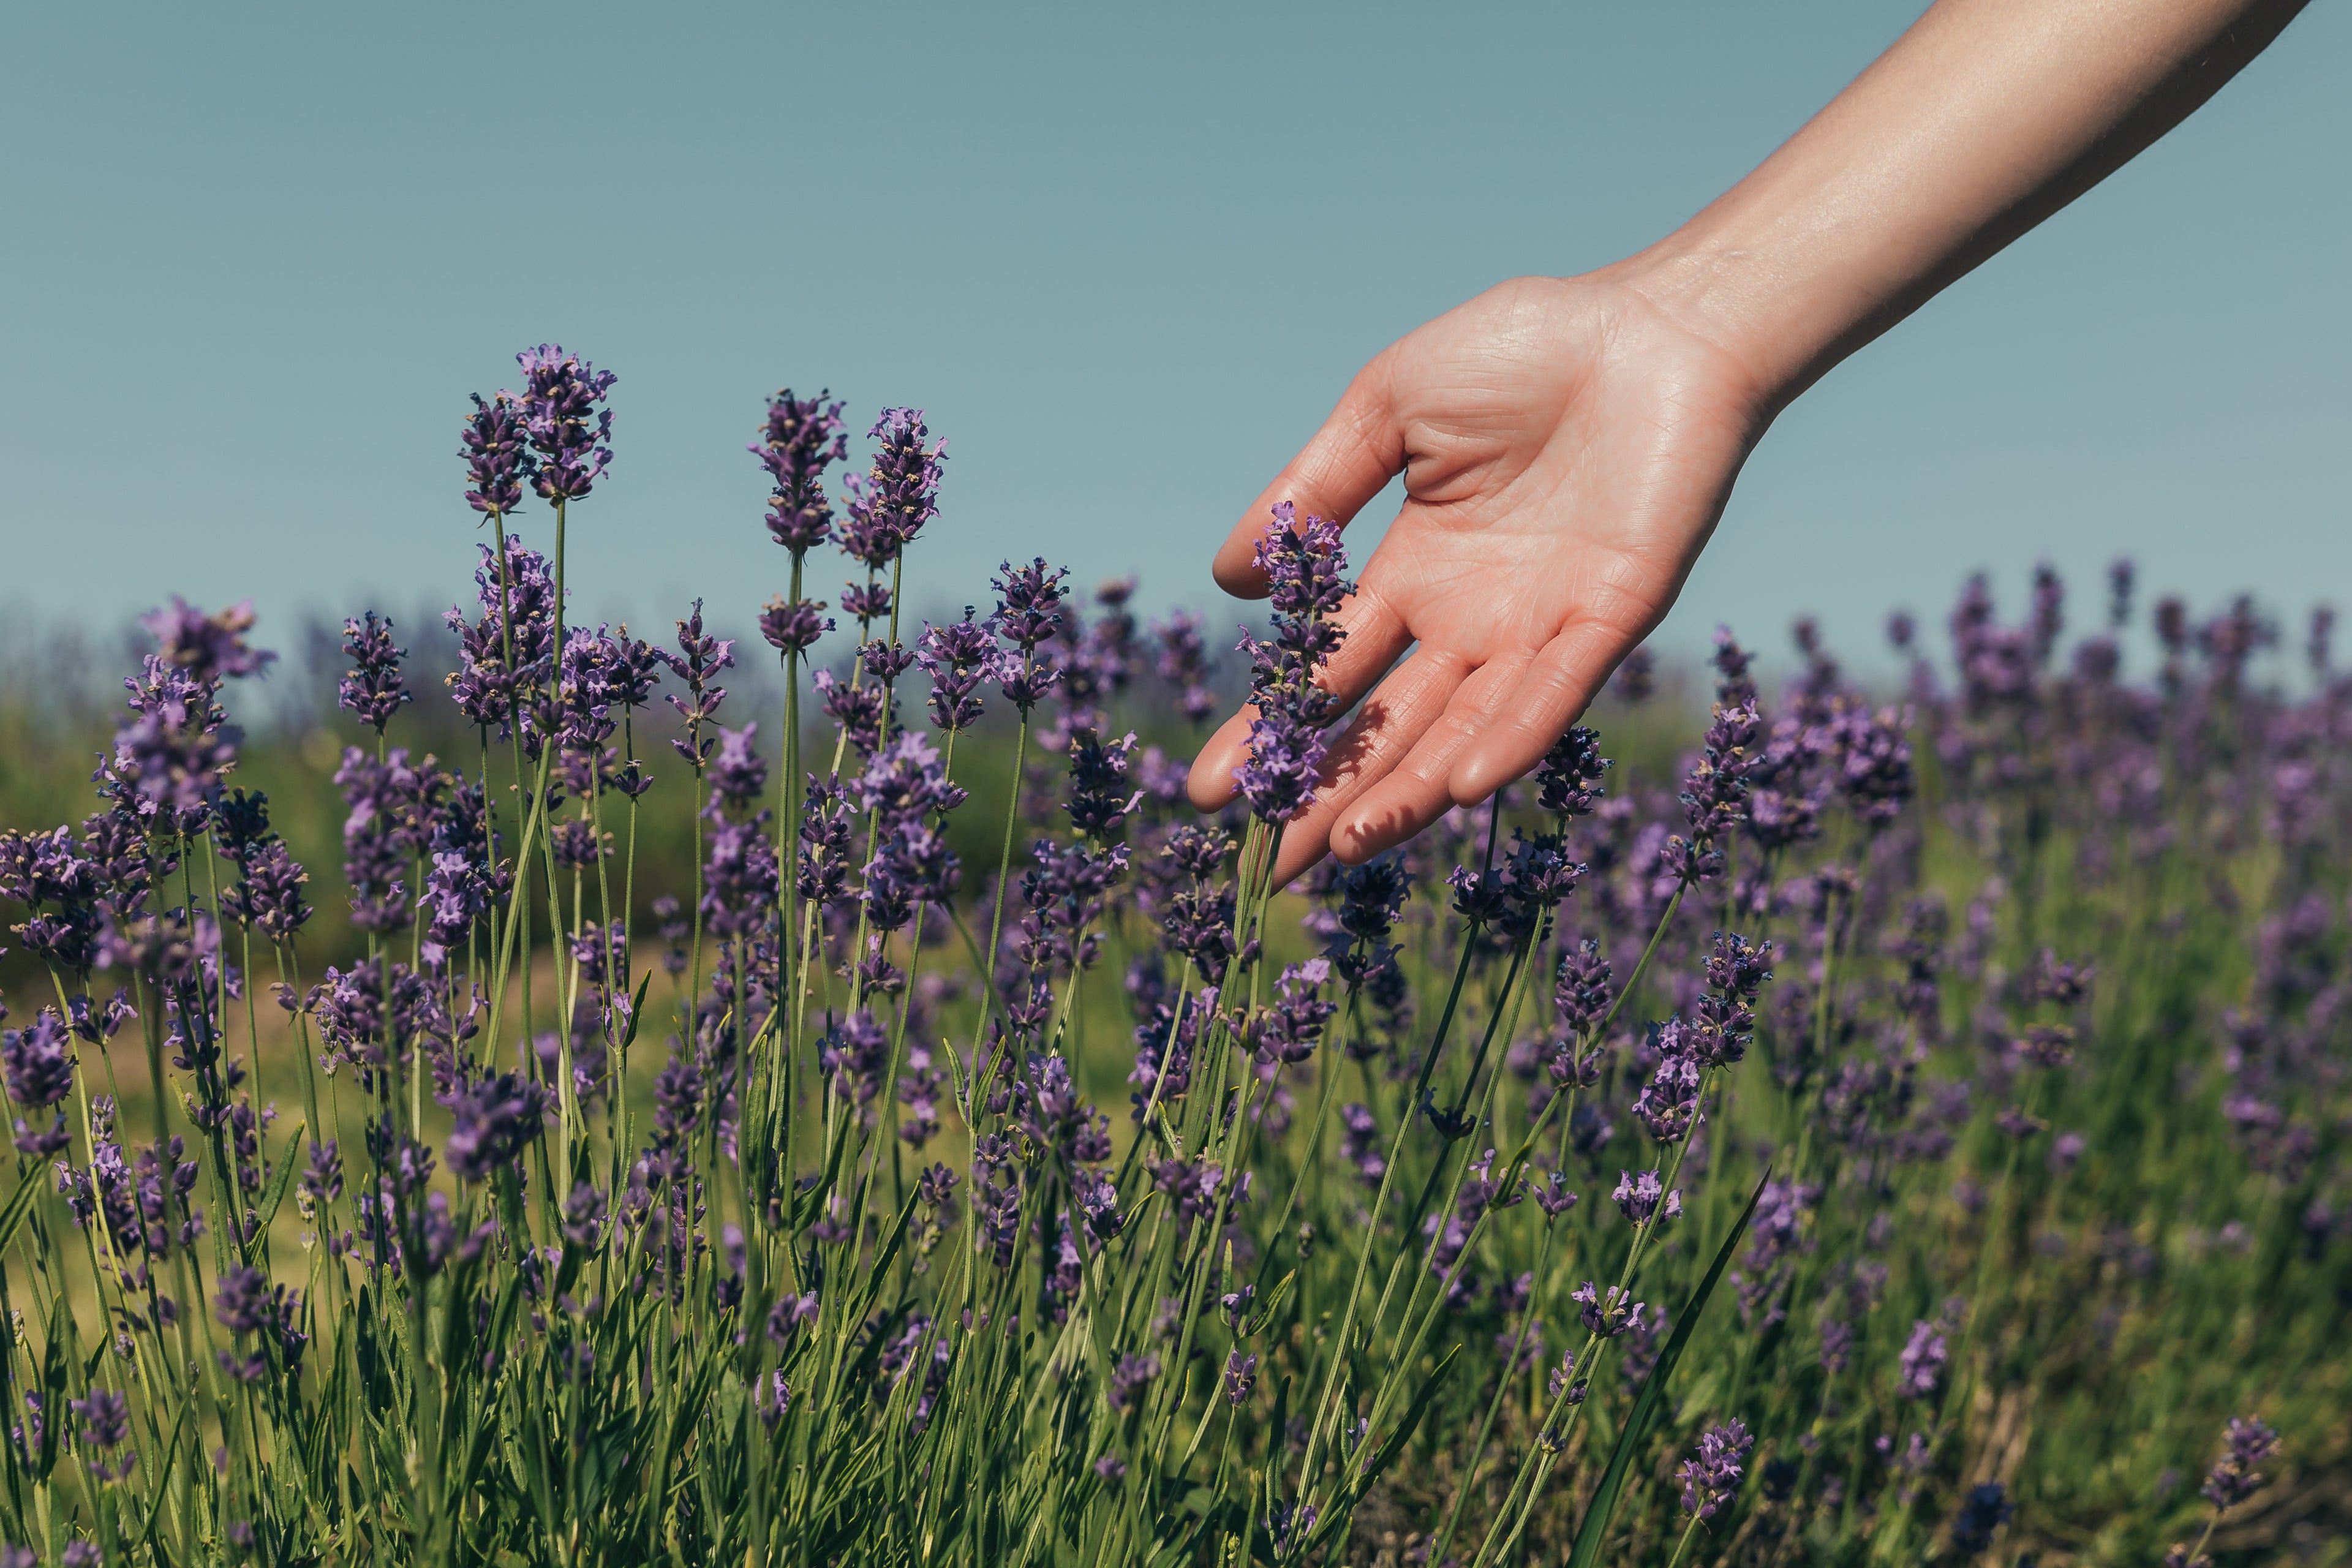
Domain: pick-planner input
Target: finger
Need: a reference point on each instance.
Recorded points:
(1373, 634)
(1407, 703)
(1552, 694)
(1415, 792)
(1350, 460)
(1209, 785)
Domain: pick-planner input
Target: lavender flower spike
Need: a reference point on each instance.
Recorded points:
(494, 1121)
(1922, 1363)
(568, 429)
(899, 492)
(792, 625)
(802, 439)
(1713, 1474)
(2234, 1478)
(1303, 563)
(1638, 1197)
(371, 688)
(39, 1060)
(498, 460)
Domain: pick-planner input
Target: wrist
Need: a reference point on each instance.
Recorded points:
(1747, 301)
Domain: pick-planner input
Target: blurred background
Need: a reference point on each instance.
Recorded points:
(258, 255)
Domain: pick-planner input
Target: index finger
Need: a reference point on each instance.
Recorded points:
(1359, 448)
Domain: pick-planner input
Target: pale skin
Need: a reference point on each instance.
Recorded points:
(1568, 444)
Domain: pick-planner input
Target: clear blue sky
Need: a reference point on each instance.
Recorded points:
(256, 256)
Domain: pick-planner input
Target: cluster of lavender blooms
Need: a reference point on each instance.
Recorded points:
(875, 1185)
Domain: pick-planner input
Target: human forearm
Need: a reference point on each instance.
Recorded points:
(1982, 120)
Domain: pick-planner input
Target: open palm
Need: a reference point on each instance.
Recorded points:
(1566, 449)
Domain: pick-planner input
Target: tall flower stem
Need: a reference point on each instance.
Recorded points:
(986, 1074)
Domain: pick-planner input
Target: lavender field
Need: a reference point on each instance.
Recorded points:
(490, 1093)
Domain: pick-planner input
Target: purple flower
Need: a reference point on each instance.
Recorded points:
(268, 896)
(1284, 1517)
(739, 879)
(870, 603)
(374, 855)
(1983, 1511)
(560, 398)
(912, 866)
(1608, 1312)
(457, 894)
(855, 706)
(1241, 1376)
(40, 1061)
(1028, 605)
(1713, 1474)
(1099, 799)
(211, 648)
(169, 757)
(1303, 563)
(792, 625)
(1921, 1366)
(1637, 1197)
(1580, 987)
(1636, 677)
(1130, 1377)
(1289, 1029)
(492, 1123)
(1715, 789)
(903, 784)
(106, 1423)
(1192, 1185)
(1739, 968)
(244, 1302)
(700, 658)
(823, 866)
(1874, 764)
(587, 684)
(1567, 780)
(1722, 1022)
(1284, 756)
(1480, 898)
(1732, 683)
(508, 651)
(2047, 1045)
(1555, 1197)
(802, 439)
(2248, 1442)
(371, 688)
(1360, 1145)
(322, 1175)
(2122, 574)
(1185, 664)
(738, 774)
(960, 658)
(1199, 923)
(898, 494)
(1668, 1104)
(496, 461)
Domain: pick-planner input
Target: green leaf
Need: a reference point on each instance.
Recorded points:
(19, 1205)
(275, 1194)
(1393, 1445)
(1384, 1455)
(636, 1012)
(1589, 1536)
(879, 1274)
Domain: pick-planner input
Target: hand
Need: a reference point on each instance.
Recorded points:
(1566, 449)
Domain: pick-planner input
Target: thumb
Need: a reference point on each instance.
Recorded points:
(1359, 448)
